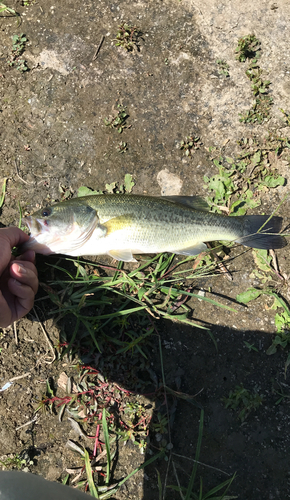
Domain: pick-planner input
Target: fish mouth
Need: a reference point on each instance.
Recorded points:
(28, 222)
(35, 226)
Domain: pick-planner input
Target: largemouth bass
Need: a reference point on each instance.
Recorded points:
(123, 225)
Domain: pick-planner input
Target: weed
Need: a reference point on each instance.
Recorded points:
(17, 461)
(27, 3)
(286, 116)
(241, 180)
(259, 112)
(223, 67)
(19, 42)
(282, 394)
(114, 187)
(119, 120)
(249, 47)
(188, 492)
(251, 347)
(127, 36)
(190, 145)
(122, 147)
(282, 321)
(119, 414)
(65, 192)
(243, 400)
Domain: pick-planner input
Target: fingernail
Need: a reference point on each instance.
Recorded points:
(21, 269)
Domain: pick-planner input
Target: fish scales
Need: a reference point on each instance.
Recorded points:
(161, 227)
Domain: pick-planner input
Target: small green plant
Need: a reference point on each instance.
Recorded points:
(18, 47)
(251, 347)
(248, 47)
(114, 187)
(190, 145)
(27, 3)
(122, 147)
(286, 116)
(17, 461)
(282, 320)
(119, 120)
(243, 400)
(240, 180)
(127, 36)
(223, 67)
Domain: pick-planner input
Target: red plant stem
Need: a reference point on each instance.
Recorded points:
(97, 442)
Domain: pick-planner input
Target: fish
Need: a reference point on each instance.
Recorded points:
(121, 226)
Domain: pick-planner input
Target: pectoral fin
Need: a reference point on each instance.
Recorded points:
(194, 250)
(117, 223)
(125, 255)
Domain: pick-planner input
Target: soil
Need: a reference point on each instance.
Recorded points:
(53, 139)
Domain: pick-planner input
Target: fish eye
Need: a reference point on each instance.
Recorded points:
(46, 212)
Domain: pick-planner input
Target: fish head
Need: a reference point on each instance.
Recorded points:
(61, 228)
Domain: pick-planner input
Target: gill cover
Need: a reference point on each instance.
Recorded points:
(63, 229)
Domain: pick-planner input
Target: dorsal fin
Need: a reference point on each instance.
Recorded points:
(195, 202)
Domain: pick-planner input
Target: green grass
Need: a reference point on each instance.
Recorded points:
(116, 312)
(155, 287)
(3, 192)
(4, 9)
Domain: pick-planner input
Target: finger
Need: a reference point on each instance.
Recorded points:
(9, 238)
(5, 313)
(29, 255)
(24, 296)
(25, 273)
(14, 236)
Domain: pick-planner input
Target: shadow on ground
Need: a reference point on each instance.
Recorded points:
(256, 449)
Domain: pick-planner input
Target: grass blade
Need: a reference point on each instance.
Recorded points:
(20, 215)
(148, 462)
(92, 487)
(197, 453)
(107, 444)
(3, 190)
(226, 484)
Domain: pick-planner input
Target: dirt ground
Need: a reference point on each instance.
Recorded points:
(53, 138)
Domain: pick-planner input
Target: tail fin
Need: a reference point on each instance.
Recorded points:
(257, 229)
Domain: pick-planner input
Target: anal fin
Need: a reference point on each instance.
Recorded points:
(194, 250)
(125, 255)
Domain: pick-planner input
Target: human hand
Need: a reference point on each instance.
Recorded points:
(18, 277)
